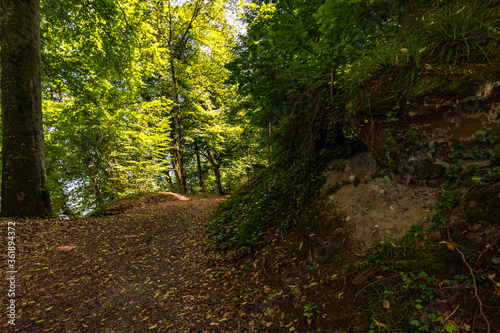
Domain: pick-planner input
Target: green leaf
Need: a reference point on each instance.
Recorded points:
(449, 327)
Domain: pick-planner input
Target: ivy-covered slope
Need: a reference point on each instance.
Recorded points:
(272, 201)
(418, 83)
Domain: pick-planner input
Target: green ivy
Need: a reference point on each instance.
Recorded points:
(270, 201)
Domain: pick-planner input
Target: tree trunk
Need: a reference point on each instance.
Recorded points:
(97, 190)
(180, 156)
(173, 157)
(24, 183)
(216, 168)
(200, 174)
(217, 179)
(179, 149)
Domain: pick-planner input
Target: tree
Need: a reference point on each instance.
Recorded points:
(125, 86)
(295, 59)
(101, 134)
(193, 43)
(24, 184)
(218, 132)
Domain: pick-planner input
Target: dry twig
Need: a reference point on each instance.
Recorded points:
(488, 329)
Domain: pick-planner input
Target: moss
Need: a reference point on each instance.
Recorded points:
(460, 81)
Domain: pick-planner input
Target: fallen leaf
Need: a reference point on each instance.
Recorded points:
(379, 324)
(451, 245)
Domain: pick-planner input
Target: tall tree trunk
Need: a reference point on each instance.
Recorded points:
(97, 190)
(180, 155)
(24, 183)
(179, 151)
(216, 168)
(173, 156)
(200, 174)
(217, 179)
(174, 49)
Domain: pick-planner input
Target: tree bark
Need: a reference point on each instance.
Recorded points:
(97, 190)
(198, 162)
(24, 184)
(173, 154)
(216, 168)
(177, 166)
(179, 149)
(217, 178)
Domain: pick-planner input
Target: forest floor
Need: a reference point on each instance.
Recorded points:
(144, 269)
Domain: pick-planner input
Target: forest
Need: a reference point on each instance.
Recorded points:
(248, 135)
(135, 98)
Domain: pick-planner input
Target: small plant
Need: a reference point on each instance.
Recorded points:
(454, 31)
(381, 173)
(345, 269)
(218, 272)
(367, 209)
(432, 323)
(332, 188)
(391, 116)
(383, 257)
(390, 149)
(309, 308)
(415, 138)
(345, 182)
(294, 289)
(337, 167)
(421, 285)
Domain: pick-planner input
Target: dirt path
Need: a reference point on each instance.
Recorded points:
(143, 270)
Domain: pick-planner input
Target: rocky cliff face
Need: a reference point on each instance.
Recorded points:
(414, 139)
(430, 146)
(374, 207)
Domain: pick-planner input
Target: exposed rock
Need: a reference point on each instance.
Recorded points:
(379, 208)
(407, 146)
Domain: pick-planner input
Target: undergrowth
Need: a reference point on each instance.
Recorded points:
(271, 202)
(267, 200)
(421, 281)
(435, 280)
(451, 45)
